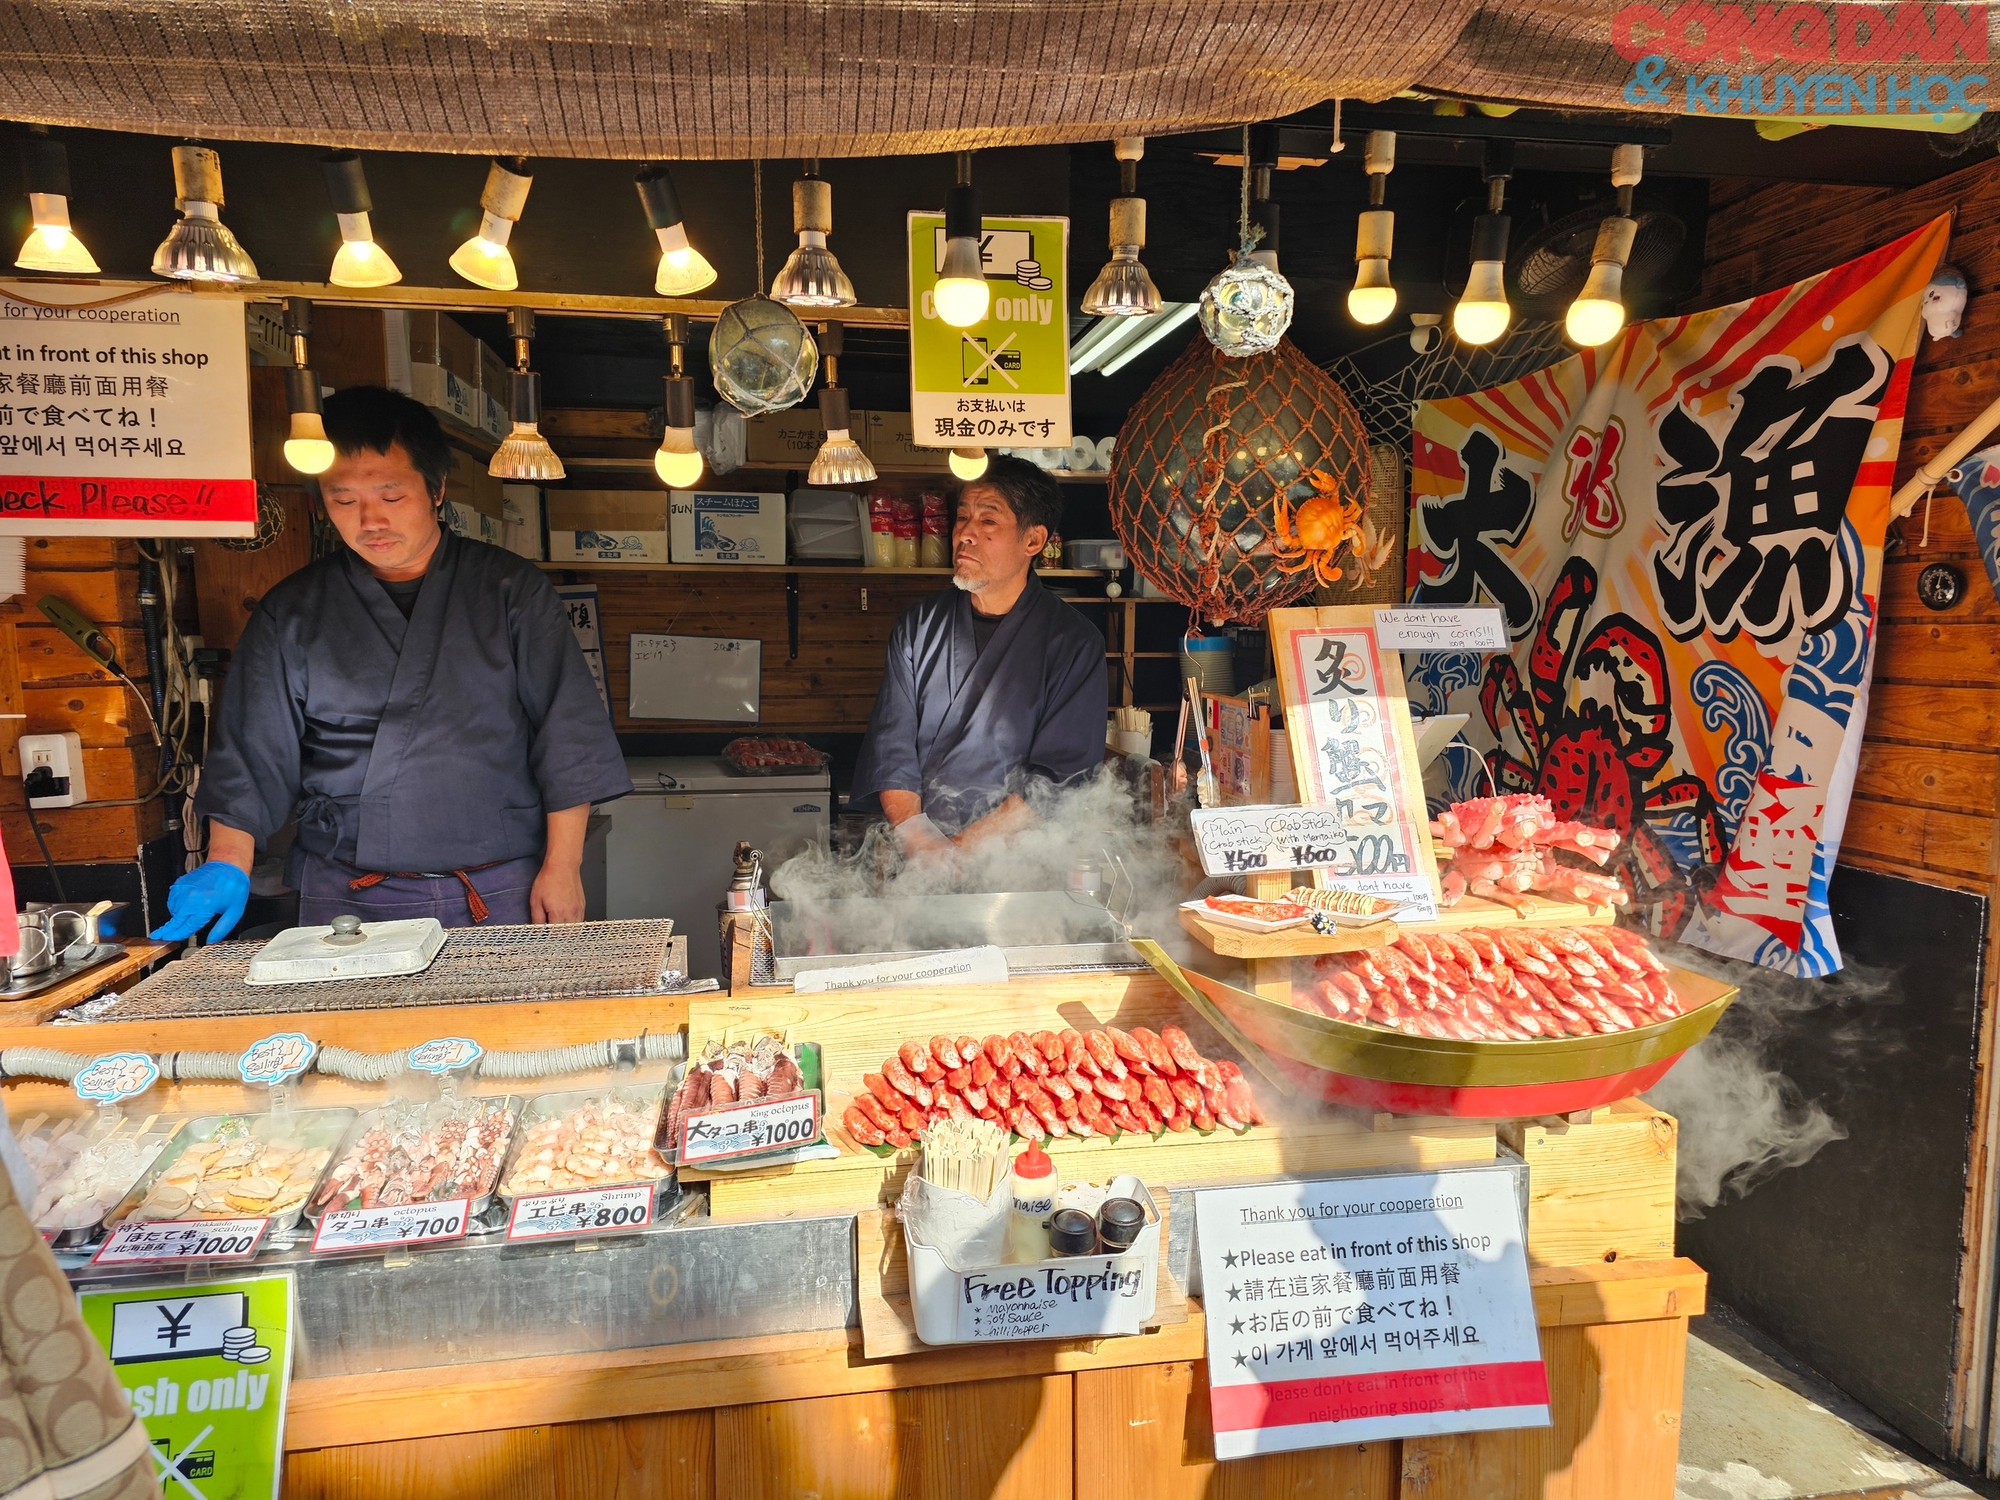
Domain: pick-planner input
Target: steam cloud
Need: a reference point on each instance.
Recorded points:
(1742, 1121)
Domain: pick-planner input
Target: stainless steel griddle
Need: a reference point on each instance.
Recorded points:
(1040, 931)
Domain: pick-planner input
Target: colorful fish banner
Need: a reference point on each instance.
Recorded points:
(1684, 531)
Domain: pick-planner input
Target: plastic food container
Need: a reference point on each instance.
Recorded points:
(258, 1169)
(86, 1165)
(574, 1153)
(377, 1162)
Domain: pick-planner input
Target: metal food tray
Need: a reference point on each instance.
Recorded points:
(430, 1115)
(1039, 931)
(93, 1126)
(641, 1096)
(315, 1128)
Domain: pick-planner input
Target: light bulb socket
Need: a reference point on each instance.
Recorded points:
(495, 229)
(1628, 163)
(657, 196)
(1378, 156)
(354, 229)
(346, 183)
(506, 192)
(197, 176)
(812, 205)
(520, 322)
(961, 213)
(1128, 149)
(832, 341)
(1128, 223)
(1489, 237)
(679, 402)
(1375, 234)
(1605, 283)
(1372, 274)
(44, 166)
(301, 390)
(48, 211)
(834, 413)
(1614, 242)
(524, 397)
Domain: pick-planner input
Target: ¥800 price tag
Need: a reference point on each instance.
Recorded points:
(744, 1129)
(204, 1239)
(395, 1224)
(590, 1211)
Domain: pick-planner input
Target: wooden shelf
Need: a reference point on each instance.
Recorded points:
(1295, 942)
(726, 570)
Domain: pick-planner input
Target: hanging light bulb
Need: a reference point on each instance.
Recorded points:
(484, 260)
(961, 295)
(1122, 288)
(678, 462)
(1373, 297)
(524, 453)
(1599, 310)
(810, 276)
(967, 463)
(359, 261)
(306, 447)
(1481, 314)
(683, 269)
(840, 460)
(51, 244)
(199, 248)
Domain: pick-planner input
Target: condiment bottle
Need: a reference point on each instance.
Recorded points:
(881, 529)
(933, 547)
(1033, 1189)
(1072, 1232)
(1119, 1221)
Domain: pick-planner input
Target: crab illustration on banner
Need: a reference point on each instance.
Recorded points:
(1684, 531)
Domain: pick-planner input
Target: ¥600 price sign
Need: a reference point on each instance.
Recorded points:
(590, 1211)
(745, 1129)
(395, 1224)
(207, 1239)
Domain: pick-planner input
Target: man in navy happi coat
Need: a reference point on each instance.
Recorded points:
(991, 684)
(419, 704)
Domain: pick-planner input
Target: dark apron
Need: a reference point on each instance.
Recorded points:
(327, 889)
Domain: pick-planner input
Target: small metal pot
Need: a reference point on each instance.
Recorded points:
(39, 951)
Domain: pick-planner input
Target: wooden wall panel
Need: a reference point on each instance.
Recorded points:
(512, 1464)
(665, 1456)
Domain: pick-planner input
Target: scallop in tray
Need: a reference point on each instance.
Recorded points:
(84, 1167)
(586, 1138)
(410, 1152)
(238, 1167)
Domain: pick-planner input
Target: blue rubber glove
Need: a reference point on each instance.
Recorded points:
(217, 889)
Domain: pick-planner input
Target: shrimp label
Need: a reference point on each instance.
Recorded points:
(204, 1239)
(745, 1129)
(606, 1210)
(392, 1224)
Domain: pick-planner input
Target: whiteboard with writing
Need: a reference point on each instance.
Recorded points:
(123, 415)
(708, 678)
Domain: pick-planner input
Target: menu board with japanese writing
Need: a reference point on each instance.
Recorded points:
(1354, 751)
(122, 414)
(1362, 1308)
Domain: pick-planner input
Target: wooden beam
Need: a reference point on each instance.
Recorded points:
(549, 304)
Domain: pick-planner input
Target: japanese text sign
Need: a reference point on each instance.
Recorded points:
(122, 414)
(1004, 382)
(207, 1373)
(605, 1210)
(391, 1224)
(1376, 859)
(1684, 533)
(1363, 1308)
(744, 1129)
(132, 1244)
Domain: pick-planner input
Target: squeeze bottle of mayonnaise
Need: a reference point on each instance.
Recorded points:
(1033, 1188)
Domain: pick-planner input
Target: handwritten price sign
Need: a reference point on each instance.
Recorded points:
(1373, 859)
(592, 1211)
(392, 1224)
(207, 1239)
(745, 1129)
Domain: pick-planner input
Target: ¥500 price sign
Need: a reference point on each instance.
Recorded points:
(589, 1211)
(745, 1129)
(394, 1224)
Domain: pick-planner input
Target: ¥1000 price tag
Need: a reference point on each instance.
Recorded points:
(392, 1224)
(744, 1129)
(589, 1211)
(202, 1239)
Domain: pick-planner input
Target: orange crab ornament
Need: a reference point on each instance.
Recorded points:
(1325, 525)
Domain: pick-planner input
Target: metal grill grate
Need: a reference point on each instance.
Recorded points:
(583, 960)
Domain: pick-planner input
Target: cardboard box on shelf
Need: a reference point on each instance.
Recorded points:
(468, 522)
(890, 448)
(469, 484)
(437, 339)
(786, 439)
(628, 526)
(726, 526)
(521, 519)
(448, 395)
(493, 386)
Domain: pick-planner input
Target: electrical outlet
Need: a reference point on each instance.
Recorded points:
(52, 767)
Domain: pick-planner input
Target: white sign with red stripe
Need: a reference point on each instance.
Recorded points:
(1365, 1308)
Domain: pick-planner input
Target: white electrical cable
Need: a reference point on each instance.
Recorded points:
(175, 1066)
(40, 1062)
(360, 1067)
(371, 1067)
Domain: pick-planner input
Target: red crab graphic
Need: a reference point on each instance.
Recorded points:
(1592, 729)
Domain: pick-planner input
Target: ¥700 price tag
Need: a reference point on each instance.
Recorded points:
(395, 1224)
(590, 1211)
(744, 1129)
(204, 1239)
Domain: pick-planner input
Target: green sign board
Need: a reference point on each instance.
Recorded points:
(207, 1368)
(1004, 382)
